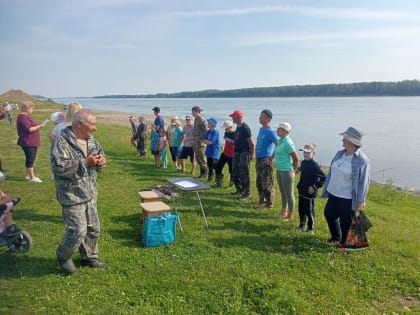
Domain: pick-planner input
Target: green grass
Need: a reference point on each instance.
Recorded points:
(246, 262)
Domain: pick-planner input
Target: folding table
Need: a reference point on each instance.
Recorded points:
(189, 184)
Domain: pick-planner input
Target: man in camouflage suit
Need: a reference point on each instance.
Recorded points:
(76, 157)
(200, 129)
(264, 151)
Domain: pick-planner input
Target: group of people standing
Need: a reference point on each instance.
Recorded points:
(76, 158)
(346, 185)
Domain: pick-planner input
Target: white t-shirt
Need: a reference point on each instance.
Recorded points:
(340, 184)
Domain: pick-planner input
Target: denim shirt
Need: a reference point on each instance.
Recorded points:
(360, 167)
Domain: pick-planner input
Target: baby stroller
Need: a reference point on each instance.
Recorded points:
(11, 236)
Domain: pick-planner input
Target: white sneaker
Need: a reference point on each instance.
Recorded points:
(35, 180)
(27, 177)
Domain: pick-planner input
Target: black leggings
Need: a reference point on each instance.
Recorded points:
(30, 155)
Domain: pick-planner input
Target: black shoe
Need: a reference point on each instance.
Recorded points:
(93, 264)
(67, 266)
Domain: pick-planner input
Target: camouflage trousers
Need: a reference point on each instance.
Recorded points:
(82, 231)
(265, 180)
(200, 155)
(240, 172)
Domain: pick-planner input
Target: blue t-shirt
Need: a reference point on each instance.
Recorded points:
(265, 142)
(212, 150)
(177, 137)
(154, 140)
(159, 122)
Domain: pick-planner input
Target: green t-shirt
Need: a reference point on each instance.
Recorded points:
(282, 154)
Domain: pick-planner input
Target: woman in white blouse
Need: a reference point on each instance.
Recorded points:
(346, 186)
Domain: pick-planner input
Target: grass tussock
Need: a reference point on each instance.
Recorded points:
(246, 262)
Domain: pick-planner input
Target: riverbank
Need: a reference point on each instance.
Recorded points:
(121, 119)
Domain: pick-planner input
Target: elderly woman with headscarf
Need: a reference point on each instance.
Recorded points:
(346, 186)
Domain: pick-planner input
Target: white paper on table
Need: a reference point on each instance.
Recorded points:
(186, 184)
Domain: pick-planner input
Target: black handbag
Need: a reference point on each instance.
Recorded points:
(364, 221)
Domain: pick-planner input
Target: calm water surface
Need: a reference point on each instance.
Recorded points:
(390, 124)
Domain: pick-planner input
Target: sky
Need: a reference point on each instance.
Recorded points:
(74, 48)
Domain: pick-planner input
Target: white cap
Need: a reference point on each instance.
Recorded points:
(227, 123)
(310, 147)
(57, 117)
(286, 126)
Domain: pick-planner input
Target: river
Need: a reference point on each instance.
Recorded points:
(390, 124)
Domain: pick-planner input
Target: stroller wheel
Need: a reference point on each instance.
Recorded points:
(22, 243)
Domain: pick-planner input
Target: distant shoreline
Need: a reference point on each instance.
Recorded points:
(359, 89)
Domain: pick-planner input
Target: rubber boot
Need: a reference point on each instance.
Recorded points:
(219, 180)
(205, 171)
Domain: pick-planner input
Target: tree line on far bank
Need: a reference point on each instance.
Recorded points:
(400, 88)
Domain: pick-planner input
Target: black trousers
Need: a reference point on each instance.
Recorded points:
(30, 156)
(307, 210)
(221, 164)
(339, 216)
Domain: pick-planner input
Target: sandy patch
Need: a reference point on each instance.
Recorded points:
(121, 119)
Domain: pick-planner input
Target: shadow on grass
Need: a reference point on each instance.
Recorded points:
(30, 215)
(268, 238)
(130, 236)
(24, 265)
(287, 245)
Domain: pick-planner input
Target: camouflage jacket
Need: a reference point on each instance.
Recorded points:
(200, 129)
(75, 182)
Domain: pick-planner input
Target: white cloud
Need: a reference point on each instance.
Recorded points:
(410, 33)
(348, 13)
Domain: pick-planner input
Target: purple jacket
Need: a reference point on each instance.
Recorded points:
(26, 138)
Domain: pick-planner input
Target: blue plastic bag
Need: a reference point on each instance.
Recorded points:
(159, 229)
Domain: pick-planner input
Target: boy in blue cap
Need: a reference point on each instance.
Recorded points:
(212, 141)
